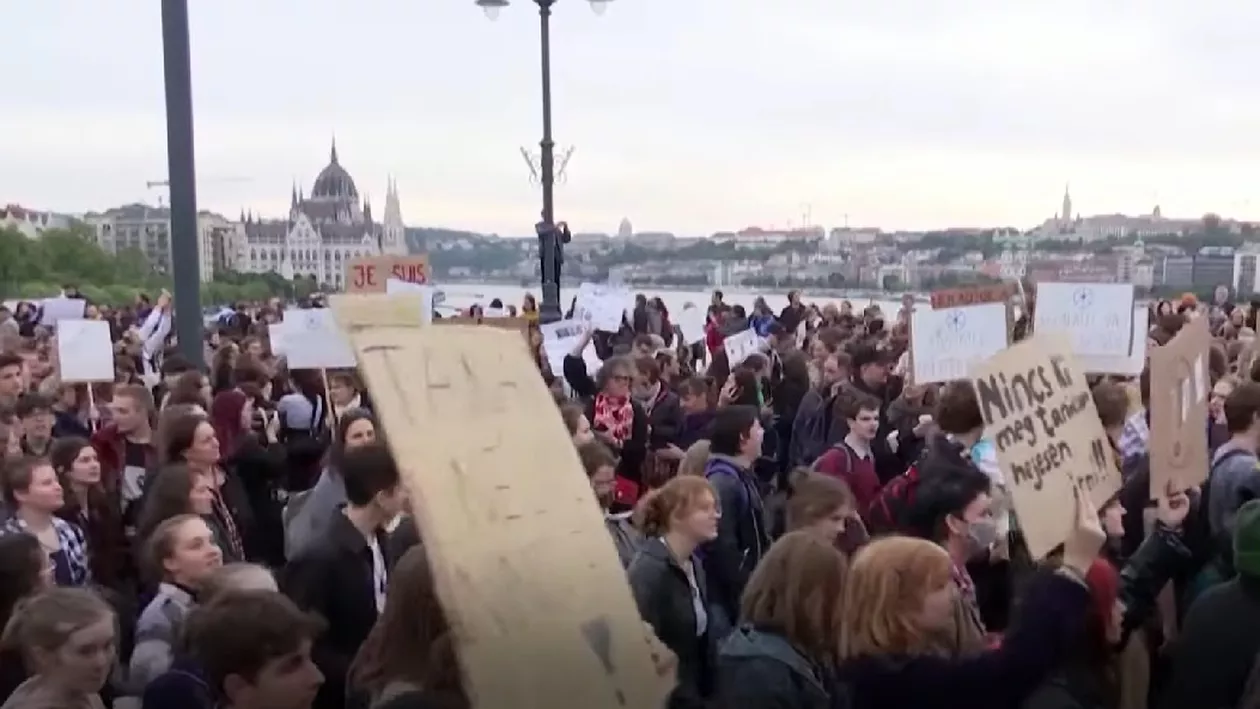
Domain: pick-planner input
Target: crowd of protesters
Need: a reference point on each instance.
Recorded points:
(803, 528)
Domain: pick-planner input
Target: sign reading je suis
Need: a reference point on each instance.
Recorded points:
(369, 273)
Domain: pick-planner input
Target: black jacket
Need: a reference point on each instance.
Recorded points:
(743, 534)
(1080, 683)
(664, 597)
(665, 421)
(762, 670)
(333, 579)
(1216, 648)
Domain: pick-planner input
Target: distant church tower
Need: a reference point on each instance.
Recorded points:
(393, 238)
(1067, 205)
(625, 230)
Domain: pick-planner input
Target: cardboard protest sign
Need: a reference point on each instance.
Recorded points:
(1179, 409)
(518, 324)
(523, 564)
(979, 295)
(1040, 415)
(370, 273)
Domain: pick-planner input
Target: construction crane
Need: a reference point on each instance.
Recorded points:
(214, 180)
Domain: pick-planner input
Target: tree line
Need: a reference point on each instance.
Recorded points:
(41, 267)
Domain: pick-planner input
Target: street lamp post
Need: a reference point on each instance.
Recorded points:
(182, 179)
(551, 236)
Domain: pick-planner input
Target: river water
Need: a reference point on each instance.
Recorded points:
(462, 295)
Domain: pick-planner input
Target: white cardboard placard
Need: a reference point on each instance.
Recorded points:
(312, 340)
(1096, 317)
(85, 351)
(949, 342)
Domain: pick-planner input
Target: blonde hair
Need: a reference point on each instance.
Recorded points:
(658, 508)
(883, 597)
(797, 591)
(160, 545)
(46, 620)
(229, 578)
(695, 459)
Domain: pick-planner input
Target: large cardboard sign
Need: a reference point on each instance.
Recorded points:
(517, 324)
(370, 273)
(1040, 415)
(1180, 387)
(525, 569)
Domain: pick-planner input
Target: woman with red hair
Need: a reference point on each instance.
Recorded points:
(251, 450)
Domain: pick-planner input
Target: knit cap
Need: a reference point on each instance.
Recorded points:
(1247, 539)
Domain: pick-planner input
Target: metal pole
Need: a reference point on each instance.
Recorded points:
(549, 245)
(182, 174)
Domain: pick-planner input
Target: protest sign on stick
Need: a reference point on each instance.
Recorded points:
(1179, 409)
(1040, 415)
(524, 567)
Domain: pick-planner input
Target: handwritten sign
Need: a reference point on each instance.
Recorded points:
(1040, 415)
(603, 306)
(741, 345)
(369, 274)
(560, 339)
(85, 351)
(1128, 366)
(947, 343)
(980, 295)
(1098, 317)
(497, 488)
(1179, 409)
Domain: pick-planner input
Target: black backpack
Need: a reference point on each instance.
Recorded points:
(1199, 526)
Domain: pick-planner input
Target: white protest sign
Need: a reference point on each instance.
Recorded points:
(691, 321)
(1131, 365)
(275, 334)
(397, 285)
(60, 308)
(602, 306)
(1040, 415)
(741, 345)
(560, 339)
(1097, 317)
(947, 343)
(85, 351)
(312, 340)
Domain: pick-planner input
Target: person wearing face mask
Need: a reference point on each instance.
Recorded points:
(953, 508)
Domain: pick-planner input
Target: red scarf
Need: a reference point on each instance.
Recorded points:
(614, 415)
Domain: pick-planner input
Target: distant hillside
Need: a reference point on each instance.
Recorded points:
(419, 238)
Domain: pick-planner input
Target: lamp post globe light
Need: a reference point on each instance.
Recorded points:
(551, 236)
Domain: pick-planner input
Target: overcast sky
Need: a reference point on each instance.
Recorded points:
(687, 115)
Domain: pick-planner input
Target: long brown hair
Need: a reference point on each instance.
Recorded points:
(815, 497)
(883, 597)
(411, 640)
(797, 591)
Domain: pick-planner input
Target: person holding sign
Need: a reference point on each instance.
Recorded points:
(898, 594)
(618, 420)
